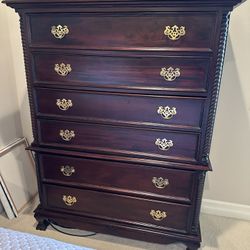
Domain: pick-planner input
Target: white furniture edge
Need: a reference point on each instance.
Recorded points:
(225, 209)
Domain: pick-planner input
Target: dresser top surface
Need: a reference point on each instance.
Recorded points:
(170, 2)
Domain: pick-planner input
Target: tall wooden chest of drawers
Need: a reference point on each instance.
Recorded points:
(123, 96)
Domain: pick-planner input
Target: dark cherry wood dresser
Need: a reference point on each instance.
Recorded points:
(123, 95)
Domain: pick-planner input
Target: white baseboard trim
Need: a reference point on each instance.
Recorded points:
(226, 209)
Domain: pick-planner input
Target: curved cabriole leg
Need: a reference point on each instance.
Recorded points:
(193, 246)
(42, 224)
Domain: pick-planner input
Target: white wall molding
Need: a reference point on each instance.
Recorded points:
(226, 209)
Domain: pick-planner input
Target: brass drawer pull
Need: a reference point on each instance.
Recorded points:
(170, 74)
(69, 200)
(59, 31)
(67, 170)
(166, 112)
(64, 104)
(175, 32)
(164, 144)
(160, 182)
(158, 215)
(62, 69)
(67, 135)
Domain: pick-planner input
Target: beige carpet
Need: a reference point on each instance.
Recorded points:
(218, 233)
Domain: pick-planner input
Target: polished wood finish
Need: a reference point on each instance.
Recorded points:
(137, 232)
(117, 176)
(127, 31)
(133, 109)
(141, 72)
(116, 51)
(104, 205)
(120, 140)
(106, 157)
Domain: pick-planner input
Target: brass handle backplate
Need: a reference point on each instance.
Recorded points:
(62, 69)
(69, 200)
(170, 74)
(167, 113)
(67, 170)
(67, 135)
(64, 104)
(175, 32)
(164, 144)
(158, 215)
(160, 182)
(59, 31)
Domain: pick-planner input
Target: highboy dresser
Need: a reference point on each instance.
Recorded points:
(123, 96)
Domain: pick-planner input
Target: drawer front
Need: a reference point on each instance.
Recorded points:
(122, 108)
(189, 30)
(104, 205)
(154, 181)
(119, 140)
(147, 73)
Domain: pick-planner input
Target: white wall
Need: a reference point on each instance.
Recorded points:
(10, 122)
(230, 153)
(15, 46)
(9, 109)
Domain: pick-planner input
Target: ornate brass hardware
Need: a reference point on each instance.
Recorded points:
(160, 182)
(167, 112)
(170, 74)
(67, 170)
(174, 33)
(69, 200)
(64, 104)
(67, 135)
(59, 31)
(164, 144)
(158, 215)
(63, 69)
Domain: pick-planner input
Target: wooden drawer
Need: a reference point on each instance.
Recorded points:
(124, 31)
(136, 179)
(119, 140)
(142, 110)
(137, 71)
(119, 208)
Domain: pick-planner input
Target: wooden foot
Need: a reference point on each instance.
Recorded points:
(193, 246)
(42, 225)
